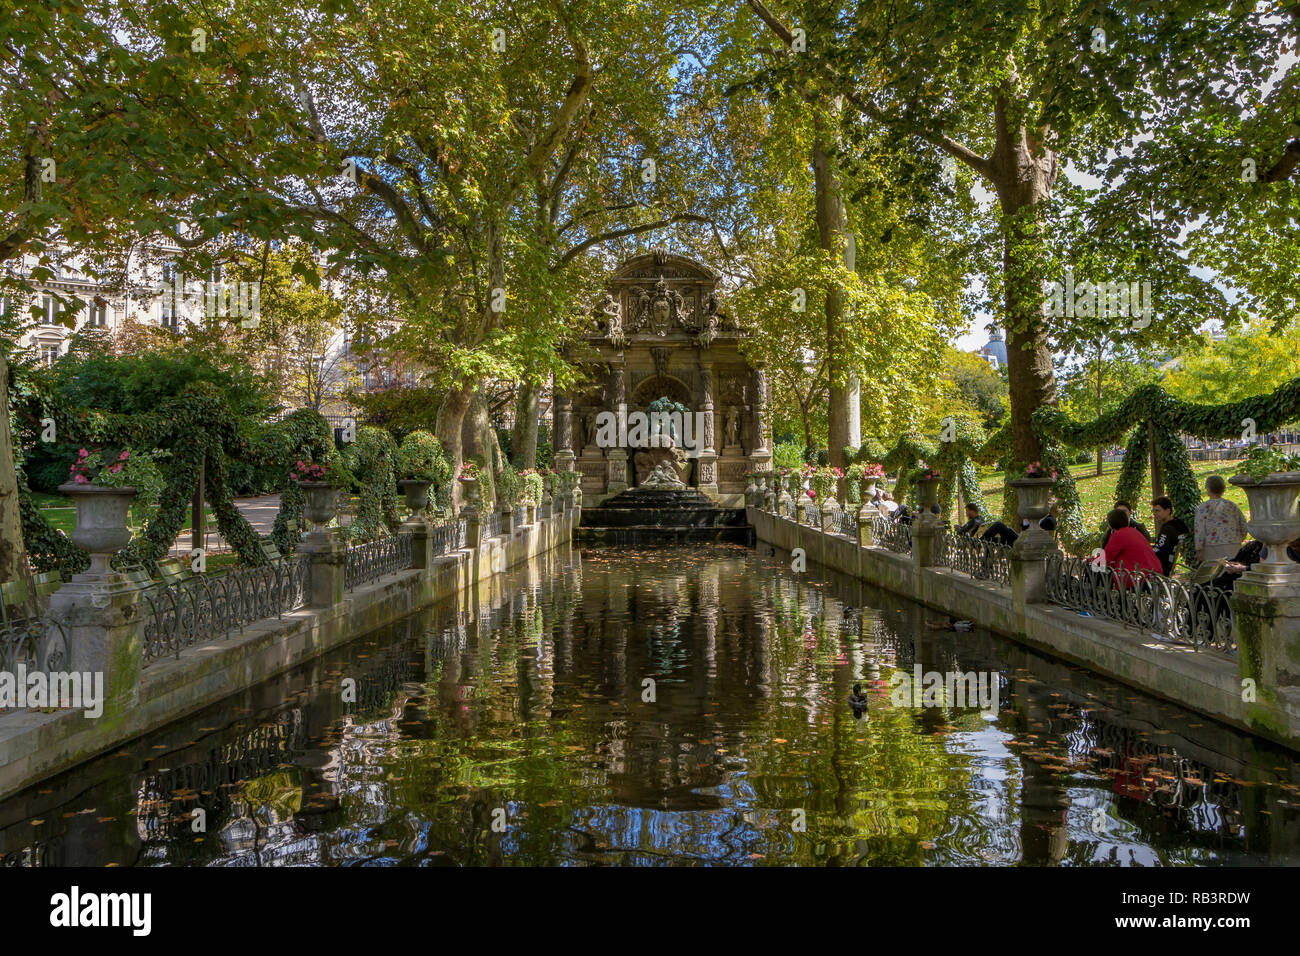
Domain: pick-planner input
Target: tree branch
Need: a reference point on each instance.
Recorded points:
(626, 231)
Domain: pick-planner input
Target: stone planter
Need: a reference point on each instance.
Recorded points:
(927, 493)
(1033, 498)
(1274, 517)
(532, 513)
(102, 515)
(868, 488)
(470, 487)
(417, 494)
(321, 505)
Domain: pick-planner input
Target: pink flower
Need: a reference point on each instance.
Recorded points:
(82, 480)
(83, 453)
(115, 468)
(124, 456)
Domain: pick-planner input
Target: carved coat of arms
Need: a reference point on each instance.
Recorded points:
(659, 309)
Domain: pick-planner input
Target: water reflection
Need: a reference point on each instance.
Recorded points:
(671, 706)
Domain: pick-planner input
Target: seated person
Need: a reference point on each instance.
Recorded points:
(1126, 549)
(1128, 510)
(973, 521)
(1172, 533)
(1000, 533)
(887, 505)
(1249, 555)
(903, 515)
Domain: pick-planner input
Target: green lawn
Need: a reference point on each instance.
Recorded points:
(59, 511)
(1096, 493)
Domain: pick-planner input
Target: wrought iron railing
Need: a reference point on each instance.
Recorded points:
(449, 536)
(788, 507)
(492, 524)
(892, 535)
(372, 560)
(845, 521)
(1195, 614)
(980, 559)
(208, 607)
(36, 643)
(812, 515)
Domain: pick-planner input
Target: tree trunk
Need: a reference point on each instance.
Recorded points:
(1023, 182)
(523, 437)
(448, 427)
(13, 553)
(1099, 400)
(832, 238)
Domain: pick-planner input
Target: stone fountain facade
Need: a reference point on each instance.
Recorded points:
(660, 331)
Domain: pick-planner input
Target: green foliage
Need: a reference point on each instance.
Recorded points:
(1261, 462)
(823, 457)
(370, 459)
(532, 487)
(787, 455)
(509, 484)
(420, 457)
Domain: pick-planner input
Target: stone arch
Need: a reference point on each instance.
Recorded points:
(657, 386)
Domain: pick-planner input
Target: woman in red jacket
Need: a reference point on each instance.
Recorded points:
(1127, 550)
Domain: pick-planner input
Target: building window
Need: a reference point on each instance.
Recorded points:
(167, 314)
(49, 310)
(98, 314)
(48, 352)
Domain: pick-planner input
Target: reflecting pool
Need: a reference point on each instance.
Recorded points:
(673, 706)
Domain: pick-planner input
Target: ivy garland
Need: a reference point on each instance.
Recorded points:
(1150, 417)
(201, 432)
(371, 460)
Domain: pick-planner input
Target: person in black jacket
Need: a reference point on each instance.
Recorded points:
(1127, 508)
(1172, 533)
(972, 521)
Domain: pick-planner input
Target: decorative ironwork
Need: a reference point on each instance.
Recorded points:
(372, 560)
(1195, 614)
(812, 515)
(36, 643)
(980, 559)
(845, 521)
(789, 507)
(492, 524)
(208, 607)
(449, 536)
(892, 535)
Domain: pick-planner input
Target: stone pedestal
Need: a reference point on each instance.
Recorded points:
(421, 532)
(1266, 620)
(866, 532)
(708, 475)
(103, 620)
(927, 540)
(1028, 565)
(327, 554)
(616, 470)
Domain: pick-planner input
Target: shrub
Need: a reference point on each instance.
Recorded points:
(823, 458)
(420, 458)
(787, 455)
(509, 484)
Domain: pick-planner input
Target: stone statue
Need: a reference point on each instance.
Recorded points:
(664, 477)
(732, 428)
(609, 312)
(588, 420)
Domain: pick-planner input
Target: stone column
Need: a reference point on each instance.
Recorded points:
(563, 417)
(421, 532)
(327, 553)
(103, 622)
(708, 462)
(1030, 553)
(927, 539)
(1266, 620)
(760, 453)
(616, 457)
